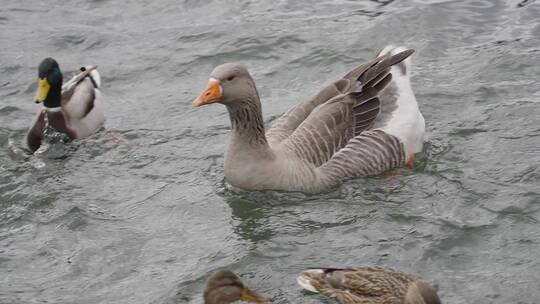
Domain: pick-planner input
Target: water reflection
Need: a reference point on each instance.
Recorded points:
(251, 215)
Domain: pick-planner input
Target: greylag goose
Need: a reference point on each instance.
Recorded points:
(74, 108)
(362, 124)
(363, 285)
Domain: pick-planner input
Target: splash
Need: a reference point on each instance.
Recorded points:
(53, 144)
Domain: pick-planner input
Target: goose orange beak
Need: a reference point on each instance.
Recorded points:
(211, 94)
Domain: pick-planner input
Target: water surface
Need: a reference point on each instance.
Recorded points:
(140, 213)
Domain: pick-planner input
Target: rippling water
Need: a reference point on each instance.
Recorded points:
(139, 213)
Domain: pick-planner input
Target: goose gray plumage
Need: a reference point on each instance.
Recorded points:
(365, 123)
(74, 108)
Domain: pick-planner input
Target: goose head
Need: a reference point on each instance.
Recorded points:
(229, 84)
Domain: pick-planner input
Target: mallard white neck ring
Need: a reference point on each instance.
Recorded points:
(55, 109)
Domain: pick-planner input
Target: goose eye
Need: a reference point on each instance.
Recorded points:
(230, 78)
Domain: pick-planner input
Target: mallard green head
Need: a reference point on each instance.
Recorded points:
(49, 83)
(224, 287)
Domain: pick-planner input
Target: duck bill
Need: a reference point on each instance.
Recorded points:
(211, 94)
(249, 296)
(42, 90)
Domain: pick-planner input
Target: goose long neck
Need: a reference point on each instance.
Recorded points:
(247, 123)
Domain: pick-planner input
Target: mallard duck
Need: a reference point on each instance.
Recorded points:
(224, 287)
(365, 123)
(363, 285)
(75, 108)
(368, 285)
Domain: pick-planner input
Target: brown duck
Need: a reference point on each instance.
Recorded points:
(224, 287)
(362, 124)
(363, 285)
(74, 108)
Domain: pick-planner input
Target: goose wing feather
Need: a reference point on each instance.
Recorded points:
(289, 121)
(330, 125)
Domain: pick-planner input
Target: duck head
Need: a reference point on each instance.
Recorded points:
(224, 287)
(49, 83)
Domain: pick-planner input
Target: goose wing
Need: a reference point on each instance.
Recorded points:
(293, 118)
(332, 124)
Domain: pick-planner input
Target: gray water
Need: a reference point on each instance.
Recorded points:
(140, 213)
